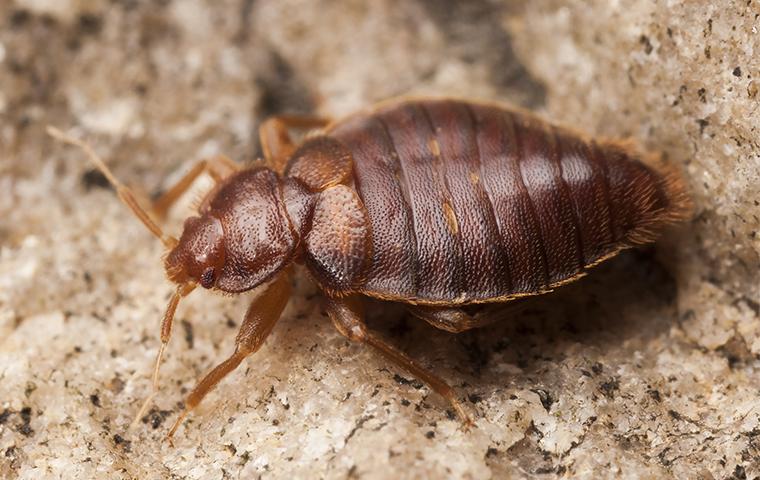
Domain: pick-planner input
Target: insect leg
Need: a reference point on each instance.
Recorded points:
(275, 137)
(457, 320)
(259, 320)
(348, 317)
(219, 167)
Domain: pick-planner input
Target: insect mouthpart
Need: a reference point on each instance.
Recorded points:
(175, 273)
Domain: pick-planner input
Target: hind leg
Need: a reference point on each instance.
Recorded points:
(457, 320)
(348, 317)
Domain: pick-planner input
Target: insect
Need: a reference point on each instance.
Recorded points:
(438, 204)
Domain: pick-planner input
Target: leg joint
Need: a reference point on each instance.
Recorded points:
(352, 331)
(347, 317)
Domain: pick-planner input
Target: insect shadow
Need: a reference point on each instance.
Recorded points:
(624, 302)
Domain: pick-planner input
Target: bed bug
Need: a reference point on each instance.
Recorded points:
(438, 204)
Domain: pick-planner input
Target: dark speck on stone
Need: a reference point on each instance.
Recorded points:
(739, 473)
(737, 72)
(703, 123)
(404, 381)
(19, 18)
(26, 417)
(655, 395)
(155, 417)
(90, 24)
(644, 40)
(124, 443)
(610, 387)
(189, 337)
(546, 398)
(94, 179)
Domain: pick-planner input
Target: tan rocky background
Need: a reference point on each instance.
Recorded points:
(646, 369)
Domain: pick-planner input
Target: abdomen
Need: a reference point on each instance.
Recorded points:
(473, 203)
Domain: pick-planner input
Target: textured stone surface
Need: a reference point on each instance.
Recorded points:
(647, 368)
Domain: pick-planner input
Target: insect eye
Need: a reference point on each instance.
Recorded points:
(207, 278)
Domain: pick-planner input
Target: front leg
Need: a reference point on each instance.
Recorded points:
(348, 317)
(259, 320)
(219, 167)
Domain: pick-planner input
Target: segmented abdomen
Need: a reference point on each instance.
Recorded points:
(472, 202)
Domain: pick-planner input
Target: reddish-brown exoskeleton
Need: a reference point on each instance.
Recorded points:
(434, 203)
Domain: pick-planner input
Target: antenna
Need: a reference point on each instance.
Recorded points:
(166, 332)
(125, 194)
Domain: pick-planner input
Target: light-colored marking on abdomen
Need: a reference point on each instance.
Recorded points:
(435, 149)
(451, 218)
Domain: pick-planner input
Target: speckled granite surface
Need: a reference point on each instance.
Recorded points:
(647, 368)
